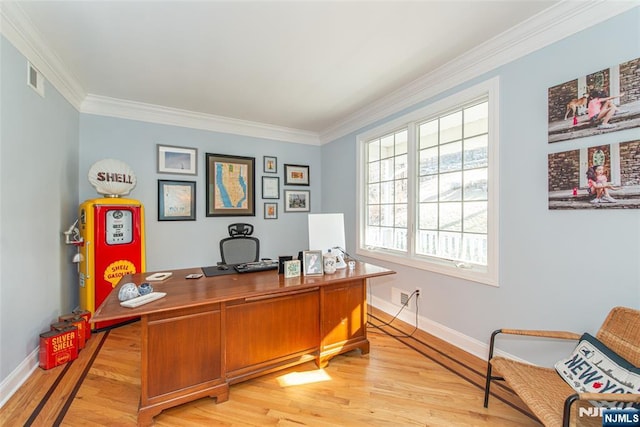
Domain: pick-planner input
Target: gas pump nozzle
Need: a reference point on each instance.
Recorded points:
(72, 235)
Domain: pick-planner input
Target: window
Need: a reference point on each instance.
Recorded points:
(387, 196)
(428, 187)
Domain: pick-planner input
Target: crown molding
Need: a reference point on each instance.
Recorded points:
(20, 31)
(112, 107)
(560, 21)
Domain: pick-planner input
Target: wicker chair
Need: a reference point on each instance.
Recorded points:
(547, 395)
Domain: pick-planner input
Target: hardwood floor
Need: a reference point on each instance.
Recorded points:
(416, 381)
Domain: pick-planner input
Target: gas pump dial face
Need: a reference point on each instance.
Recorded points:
(119, 227)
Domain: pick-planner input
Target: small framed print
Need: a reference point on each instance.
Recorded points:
(296, 175)
(296, 201)
(177, 160)
(270, 164)
(291, 268)
(176, 200)
(270, 187)
(312, 263)
(270, 211)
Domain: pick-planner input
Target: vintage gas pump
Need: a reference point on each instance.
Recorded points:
(111, 235)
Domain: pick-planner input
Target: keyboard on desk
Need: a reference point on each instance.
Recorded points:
(251, 267)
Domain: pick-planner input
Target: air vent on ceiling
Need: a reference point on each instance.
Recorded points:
(35, 79)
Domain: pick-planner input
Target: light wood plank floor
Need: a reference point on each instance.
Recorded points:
(416, 381)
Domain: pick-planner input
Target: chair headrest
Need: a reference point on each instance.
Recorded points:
(240, 229)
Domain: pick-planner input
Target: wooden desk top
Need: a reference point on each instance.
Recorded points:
(187, 293)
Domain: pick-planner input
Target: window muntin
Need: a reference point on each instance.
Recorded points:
(387, 202)
(448, 223)
(452, 199)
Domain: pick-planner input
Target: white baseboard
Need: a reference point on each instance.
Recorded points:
(15, 379)
(463, 342)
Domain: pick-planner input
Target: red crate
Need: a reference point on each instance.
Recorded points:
(58, 347)
(84, 330)
(86, 315)
(79, 323)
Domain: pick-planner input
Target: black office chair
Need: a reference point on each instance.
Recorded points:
(239, 248)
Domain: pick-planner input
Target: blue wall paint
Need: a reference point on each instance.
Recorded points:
(546, 280)
(181, 244)
(38, 185)
(546, 277)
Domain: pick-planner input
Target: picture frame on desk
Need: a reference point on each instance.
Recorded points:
(177, 160)
(236, 201)
(291, 269)
(312, 263)
(176, 200)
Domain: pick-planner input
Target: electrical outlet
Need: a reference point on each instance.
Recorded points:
(402, 297)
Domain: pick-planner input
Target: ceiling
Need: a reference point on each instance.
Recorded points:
(303, 65)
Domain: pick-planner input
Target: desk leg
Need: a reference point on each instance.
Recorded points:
(146, 414)
(145, 417)
(365, 347)
(323, 359)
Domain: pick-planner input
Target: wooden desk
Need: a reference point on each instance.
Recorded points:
(211, 332)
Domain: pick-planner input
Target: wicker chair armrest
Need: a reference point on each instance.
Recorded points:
(611, 397)
(543, 334)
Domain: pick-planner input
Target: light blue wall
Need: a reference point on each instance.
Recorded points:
(547, 277)
(39, 196)
(181, 244)
(558, 269)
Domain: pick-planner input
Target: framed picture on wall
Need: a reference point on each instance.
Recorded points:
(270, 187)
(296, 175)
(594, 177)
(177, 160)
(296, 201)
(176, 200)
(230, 185)
(270, 211)
(594, 104)
(270, 164)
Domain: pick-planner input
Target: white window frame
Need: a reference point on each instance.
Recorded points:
(477, 273)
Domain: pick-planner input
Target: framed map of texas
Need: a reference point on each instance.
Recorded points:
(230, 185)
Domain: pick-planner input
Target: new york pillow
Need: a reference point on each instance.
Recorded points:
(594, 368)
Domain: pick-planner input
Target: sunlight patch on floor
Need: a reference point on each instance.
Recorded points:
(300, 378)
